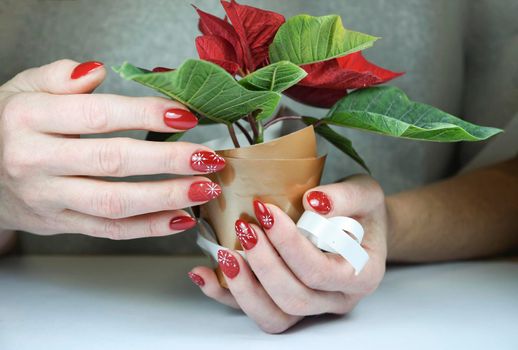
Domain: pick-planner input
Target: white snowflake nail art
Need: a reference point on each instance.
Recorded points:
(207, 162)
(213, 190)
(267, 220)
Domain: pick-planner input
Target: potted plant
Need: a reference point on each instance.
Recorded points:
(253, 56)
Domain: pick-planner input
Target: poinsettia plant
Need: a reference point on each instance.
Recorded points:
(252, 56)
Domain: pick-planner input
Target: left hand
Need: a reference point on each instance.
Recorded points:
(287, 277)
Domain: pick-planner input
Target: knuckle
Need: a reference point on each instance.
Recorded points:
(172, 199)
(15, 109)
(111, 204)
(113, 230)
(12, 163)
(154, 226)
(172, 157)
(147, 109)
(110, 158)
(315, 279)
(344, 308)
(30, 198)
(18, 163)
(95, 112)
(296, 305)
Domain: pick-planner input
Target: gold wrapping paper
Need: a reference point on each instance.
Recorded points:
(277, 172)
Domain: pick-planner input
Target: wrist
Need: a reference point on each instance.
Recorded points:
(393, 237)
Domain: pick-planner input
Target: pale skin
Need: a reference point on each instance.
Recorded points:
(45, 189)
(465, 217)
(50, 179)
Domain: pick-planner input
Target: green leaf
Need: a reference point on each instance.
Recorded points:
(339, 141)
(306, 39)
(388, 111)
(274, 77)
(207, 89)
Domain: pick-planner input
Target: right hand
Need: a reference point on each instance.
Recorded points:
(49, 176)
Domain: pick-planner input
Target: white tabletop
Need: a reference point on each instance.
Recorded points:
(149, 303)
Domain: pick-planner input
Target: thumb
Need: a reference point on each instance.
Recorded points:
(59, 77)
(355, 196)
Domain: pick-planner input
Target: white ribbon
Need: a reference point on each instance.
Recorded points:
(341, 235)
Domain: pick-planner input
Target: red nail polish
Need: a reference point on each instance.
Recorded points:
(207, 162)
(203, 191)
(246, 234)
(228, 263)
(180, 119)
(181, 223)
(319, 201)
(196, 279)
(263, 215)
(161, 69)
(84, 68)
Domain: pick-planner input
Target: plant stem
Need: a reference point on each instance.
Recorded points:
(260, 136)
(253, 125)
(233, 136)
(245, 132)
(318, 123)
(276, 120)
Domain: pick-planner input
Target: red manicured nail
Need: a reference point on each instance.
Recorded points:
(181, 223)
(196, 279)
(161, 69)
(228, 263)
(246, 234)
(202, 191)
(263, 214)
(84, 68)
(180, 119)
(207, 162)
(319, 201)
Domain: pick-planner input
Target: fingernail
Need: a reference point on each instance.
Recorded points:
(263, 215)
(196, 279)
(207, 162)
(84, 68)
(319, 201)
(181, 223)
(203, 191)
(180, 119)
(161, 69)
(228, 263)
(246, 234)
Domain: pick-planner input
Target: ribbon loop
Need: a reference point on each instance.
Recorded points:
(335, 235)
(341, 235)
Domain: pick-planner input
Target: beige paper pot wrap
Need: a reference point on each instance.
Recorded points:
(277, 172)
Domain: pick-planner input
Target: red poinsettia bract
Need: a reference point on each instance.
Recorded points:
(328, 81)
(241, 45)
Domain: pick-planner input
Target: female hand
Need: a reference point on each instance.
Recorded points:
(48, 174)
(287, 277)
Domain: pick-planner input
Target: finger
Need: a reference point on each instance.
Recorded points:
(102, 113)
(292, 296)
(360, 197)
(251, 296)
(149, 225)
(207, 280)
(116, 200)
(59, 77)
(319, 271)
(356, 196)
(119, 157)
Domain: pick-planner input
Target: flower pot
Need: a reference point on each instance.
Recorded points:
(277, 172)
